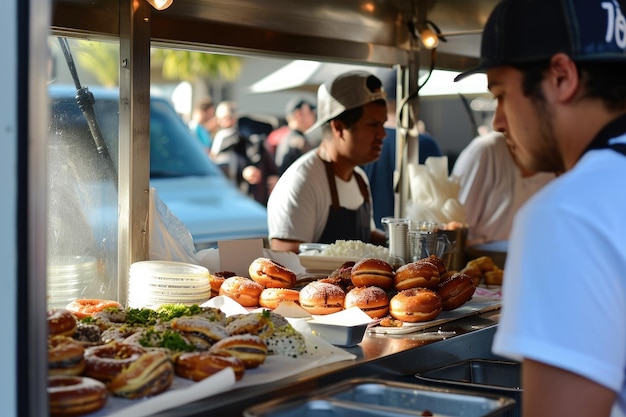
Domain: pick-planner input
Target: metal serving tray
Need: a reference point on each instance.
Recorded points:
(377, 398)
(492, 376)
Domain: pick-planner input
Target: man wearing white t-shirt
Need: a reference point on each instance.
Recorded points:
(561, 95)
(324, 196)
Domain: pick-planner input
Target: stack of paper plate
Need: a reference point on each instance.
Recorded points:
(69, 278)
(153, 283)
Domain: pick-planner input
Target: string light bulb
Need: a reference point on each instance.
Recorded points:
(430, 40)
(160, 4)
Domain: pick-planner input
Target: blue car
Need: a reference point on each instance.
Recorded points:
(187, 181)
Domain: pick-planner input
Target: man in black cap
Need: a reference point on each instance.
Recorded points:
(558, 71)
(324, 196)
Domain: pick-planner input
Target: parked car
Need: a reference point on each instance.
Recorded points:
(191, 185)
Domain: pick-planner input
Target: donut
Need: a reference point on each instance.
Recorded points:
(70, 396)
(272, 297)
(201, 332)
(438, 262)
(65, 356)
(271, 274)
(88, 307)
(473, 270)
(257, 324)
(494, 277)
(415, 305)
(61, 322)
(372, 300)
(106, 361)
(243, 290)
(151, 374)
(322, 298)
(217, 279)
(485, 263)
(342, 276)
(200, 365)
(372, 272)
(421, 273)
(251, 349)
(456, 290)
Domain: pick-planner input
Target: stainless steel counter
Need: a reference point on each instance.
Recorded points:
(392, 357)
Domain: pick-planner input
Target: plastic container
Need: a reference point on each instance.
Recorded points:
(490, 376)
(377, 398)
(337, 334)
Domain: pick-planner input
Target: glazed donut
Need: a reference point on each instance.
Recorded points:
(217, 279)
(70, 396)
(251, 349)
(201, 332)
(322, 298)
(65, 356)
(372, 300)
(106, 361)
(272, 297)
(415, 305)
(200, 365)
(421, 273)
(151, 374)
(243, 290)
(271, 274)
(372, 272)
(456, 290)
(87, 307)
(61, 322)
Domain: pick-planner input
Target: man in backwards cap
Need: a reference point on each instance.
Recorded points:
(324, 196)
(561, 92)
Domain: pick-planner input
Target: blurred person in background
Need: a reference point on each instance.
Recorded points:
(243, 158)
(300, 116)
(561, 100)
(381, 172)
(493, 186)
(203, 122)
(324, 196)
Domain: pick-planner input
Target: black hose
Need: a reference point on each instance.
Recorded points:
(86, 101)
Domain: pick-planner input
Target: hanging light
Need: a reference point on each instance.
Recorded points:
(430, 34)
(160, 4)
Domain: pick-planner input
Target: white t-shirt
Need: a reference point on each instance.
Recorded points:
(492, 188)
(564, 292)
(298, 206)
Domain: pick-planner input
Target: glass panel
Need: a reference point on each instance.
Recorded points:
(82, 182)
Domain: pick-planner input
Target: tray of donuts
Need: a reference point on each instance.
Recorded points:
(399, 300)
(99, 351)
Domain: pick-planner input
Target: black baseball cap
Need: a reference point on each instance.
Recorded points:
(297, 103)
(525, 31)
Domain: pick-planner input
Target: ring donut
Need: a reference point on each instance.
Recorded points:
(70, 396)
(65, 356)
(151, 374)
(88, 307)
(106, 361)
(61, 322)
(271, 274)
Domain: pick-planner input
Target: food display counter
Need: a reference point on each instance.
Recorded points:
(388, 357)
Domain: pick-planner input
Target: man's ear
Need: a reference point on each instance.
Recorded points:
(564, 77)
(337, 126)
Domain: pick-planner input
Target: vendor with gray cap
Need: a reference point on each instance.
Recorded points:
(324, 196)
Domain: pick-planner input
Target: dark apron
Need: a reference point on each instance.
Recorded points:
(614, 129)
(342, 223)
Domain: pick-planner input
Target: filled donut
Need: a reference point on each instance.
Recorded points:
(372, 300)
(271, 274)
(107, 361)
(372, 272)
(61, 322)
(249, 348)
(456, 290)
(422, 273)
(151, 374)
(65, 356)
(243, 290)
(415, 305)
(272, 297)
(322, 298)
